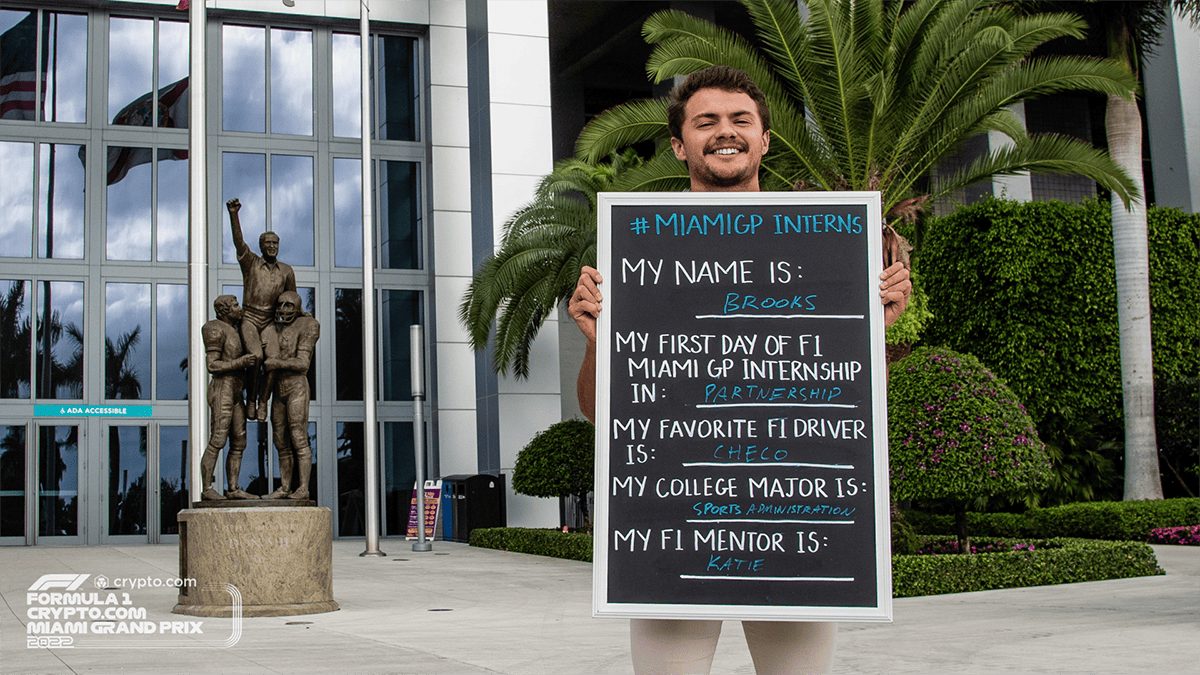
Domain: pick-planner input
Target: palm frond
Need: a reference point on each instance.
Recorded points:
(1044, 153)
(622, 126)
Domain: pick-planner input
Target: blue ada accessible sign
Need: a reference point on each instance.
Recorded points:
(93, 410)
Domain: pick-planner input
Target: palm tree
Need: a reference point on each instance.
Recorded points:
(546, 242)
(14, 336)
(1131, 29)
(871, 96)
(120, 378)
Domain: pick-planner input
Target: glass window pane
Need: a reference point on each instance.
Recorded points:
(127, 341)
(171, 342)
(172, 208)
(400, 206)
(397, 81)
(351, 507)
(347, 212)
(127, 480)
(399, 475)
(244, 176)
(128, 214)
(254, 460)
(398, 310)
(15, 338)
(292, 208)
(60, 335)
(308, 300)
(64, 59)
(348, 343)
(173, 74)
(172, 477)
(58, 481)
(131, 71)
(61, 201)
(347, 86)
(291, 82)
(18, 67)
(244, 78)
(16, 200)
(12, 480)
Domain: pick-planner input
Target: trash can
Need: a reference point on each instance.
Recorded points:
(475, 501)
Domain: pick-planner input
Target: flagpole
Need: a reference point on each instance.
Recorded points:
(197, 247)
(370, 433)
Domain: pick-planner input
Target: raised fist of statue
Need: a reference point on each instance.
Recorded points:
(233, 205)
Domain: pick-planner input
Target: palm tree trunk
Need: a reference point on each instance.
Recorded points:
(1131, 253)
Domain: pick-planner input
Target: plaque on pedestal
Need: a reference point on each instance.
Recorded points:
(278, 560)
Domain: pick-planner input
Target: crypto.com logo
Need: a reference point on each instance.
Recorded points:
(67, 582)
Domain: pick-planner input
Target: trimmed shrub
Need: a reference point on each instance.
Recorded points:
(1188, 535)
(1114, 521)
(956, 433)
(559, 462)
(1050, 561)
(1030, 288)
(550, 543)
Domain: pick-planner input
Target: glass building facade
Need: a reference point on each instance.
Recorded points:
(94, 251)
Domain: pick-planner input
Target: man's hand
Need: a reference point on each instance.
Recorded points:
(247, 361)
(585, 302)
(233, 205)
(894, 291)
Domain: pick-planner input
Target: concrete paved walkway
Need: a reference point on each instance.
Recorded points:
(469, 611)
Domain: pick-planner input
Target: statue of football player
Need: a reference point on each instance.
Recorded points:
(227, 361)
(263, 279)
(288, 345)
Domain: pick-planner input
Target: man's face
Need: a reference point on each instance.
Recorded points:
(230, 310)
(723, 141)
(270, 245)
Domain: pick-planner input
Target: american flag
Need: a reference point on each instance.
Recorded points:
(18, 70)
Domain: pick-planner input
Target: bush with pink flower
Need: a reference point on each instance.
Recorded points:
(957, 433)
(1188, 535)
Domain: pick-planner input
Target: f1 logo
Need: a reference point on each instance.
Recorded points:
(68, 582)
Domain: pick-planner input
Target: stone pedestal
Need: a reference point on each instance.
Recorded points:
(279, 558)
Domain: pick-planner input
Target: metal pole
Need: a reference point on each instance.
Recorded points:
(416, 350)
(197, 247)
(370, 439)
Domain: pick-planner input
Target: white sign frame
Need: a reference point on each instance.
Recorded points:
(601, 607)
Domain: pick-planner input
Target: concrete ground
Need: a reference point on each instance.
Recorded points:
(469, 611)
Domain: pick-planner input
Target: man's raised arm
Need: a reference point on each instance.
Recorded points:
(235, 225)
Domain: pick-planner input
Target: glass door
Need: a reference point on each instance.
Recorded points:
(172, 482)
(124, 502)
(16, 505)
(57, 476)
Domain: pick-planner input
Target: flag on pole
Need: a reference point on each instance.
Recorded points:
(172, 112)
(18, 70)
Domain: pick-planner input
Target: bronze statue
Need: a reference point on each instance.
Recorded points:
(288, 345)
(226, 360)
(264, 278)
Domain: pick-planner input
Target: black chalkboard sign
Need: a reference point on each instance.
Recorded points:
(741, 426)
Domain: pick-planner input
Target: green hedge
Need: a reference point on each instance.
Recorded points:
(551, 543)
(1053, 561)
(1114, 521)
(1030, 289)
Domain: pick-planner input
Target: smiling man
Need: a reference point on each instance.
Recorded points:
(720, 133)
(721, 128)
